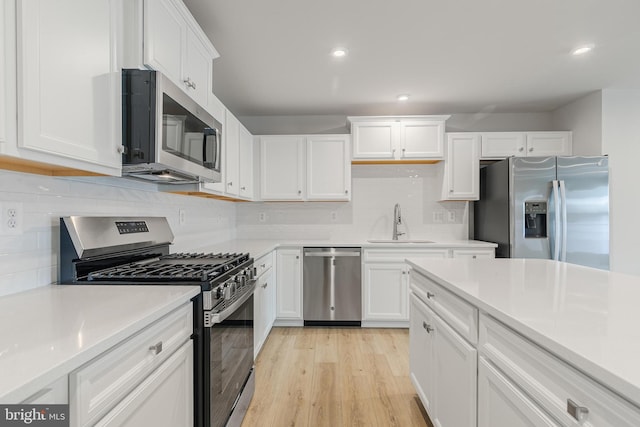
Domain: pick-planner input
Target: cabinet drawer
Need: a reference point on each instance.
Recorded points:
(263, 263)
(459, 314)
(399, 255)
(100, 384)
(473, 253)
(551, 382)
(55, 393)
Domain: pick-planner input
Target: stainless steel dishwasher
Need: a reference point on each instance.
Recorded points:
(332, 286)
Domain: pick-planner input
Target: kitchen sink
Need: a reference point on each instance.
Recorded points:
(401, 241)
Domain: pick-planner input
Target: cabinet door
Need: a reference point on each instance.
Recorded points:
(263, 309)
(462, 167)
(232, 154)
(245, 163)
(196, 73)
(497, 145)
(501, 403)
(164, 398)
(386, 292)
(165, 33)
(281, 167)
(328, 168)
(70, 108)
(375, 139)
(423, 139)
(7, 76)
(549, 144)
(421, 355)
(289, 284)
(455, 377)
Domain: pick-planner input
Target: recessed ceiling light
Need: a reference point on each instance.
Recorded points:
(403, 98)
(339, 52)
(582, 50)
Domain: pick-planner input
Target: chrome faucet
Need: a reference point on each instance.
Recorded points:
(397, 220)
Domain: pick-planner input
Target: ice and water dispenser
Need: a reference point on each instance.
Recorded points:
(535, 219)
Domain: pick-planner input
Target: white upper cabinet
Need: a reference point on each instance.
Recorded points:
(305, 167)
(328, 168)
(398, 138)
(8, 121)
(232, 155)
(461, 167)
(282, 167)
(245, 163)
(174, 44)
(68, 84)
(497, 145)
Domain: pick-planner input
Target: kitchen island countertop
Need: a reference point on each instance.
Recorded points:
(587, 317)
(48, 332)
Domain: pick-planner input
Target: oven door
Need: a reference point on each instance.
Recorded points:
(231, 362)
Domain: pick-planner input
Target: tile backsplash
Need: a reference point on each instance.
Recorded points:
(369, 215)
(29, 260)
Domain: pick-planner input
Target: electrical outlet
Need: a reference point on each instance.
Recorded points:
(438, 217)
(451, 216)
(262, 217)
(182, 216)
(334, 216)
(11, 218)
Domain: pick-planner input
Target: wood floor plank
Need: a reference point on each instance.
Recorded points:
(335, 377)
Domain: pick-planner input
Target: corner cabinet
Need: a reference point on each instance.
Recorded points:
(305, 168)
(69, 117)
(397, 138)
(461, 167)
(289, 287)
(498, 145)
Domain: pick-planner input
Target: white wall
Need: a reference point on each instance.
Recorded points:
(369, 215)
(584, 118)
(30, 260)
(621, 141)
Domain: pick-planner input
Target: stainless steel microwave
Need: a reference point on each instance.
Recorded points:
(168, 138)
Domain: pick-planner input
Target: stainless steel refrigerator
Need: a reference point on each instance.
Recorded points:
(546, 207)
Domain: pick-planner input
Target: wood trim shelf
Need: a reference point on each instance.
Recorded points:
(28, 166)
(396, 162)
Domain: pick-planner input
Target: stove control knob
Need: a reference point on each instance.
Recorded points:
(219, 292)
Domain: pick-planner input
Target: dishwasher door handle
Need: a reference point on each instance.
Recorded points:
(330, 254)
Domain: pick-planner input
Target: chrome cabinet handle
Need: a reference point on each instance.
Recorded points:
(521, 149)
(576, 411)
(430, 295)
(189, 83)
(531, 149)
(427, 327)
(156, 348)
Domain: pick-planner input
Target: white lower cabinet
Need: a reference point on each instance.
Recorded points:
(501, 403)
(443, 368)
(164, 398)
(473, 253)
(55, 393)
(264, 307)
(289, 286)
(386, 288)
(151, 371)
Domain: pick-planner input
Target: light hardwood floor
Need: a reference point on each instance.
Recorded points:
(334, 377)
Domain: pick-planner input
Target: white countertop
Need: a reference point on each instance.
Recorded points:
(258, 248)
(588, 317)
(48, 332)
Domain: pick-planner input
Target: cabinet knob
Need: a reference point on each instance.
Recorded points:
(299, 191)
(531, 149)
(346, 191)
(576, 411)
(157, 348)
(430, 295)
(475, 256)
(243, 188)
(521, 149)
(189, 83)
(427, 327)
(451, 191)
(120, 149)
(263, 265)
(230, 184)
(297, 257)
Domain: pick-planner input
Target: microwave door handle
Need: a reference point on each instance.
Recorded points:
(205, 139)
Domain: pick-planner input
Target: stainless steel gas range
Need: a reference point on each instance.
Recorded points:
(135, 251)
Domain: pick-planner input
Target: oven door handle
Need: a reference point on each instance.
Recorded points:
(211, 319)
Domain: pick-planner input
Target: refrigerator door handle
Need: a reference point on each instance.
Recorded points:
(556, 232)
(563, 201)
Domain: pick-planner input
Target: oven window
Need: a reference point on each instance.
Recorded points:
(231, 360)
(186, 136)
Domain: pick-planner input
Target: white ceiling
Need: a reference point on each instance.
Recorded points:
(451, 56)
